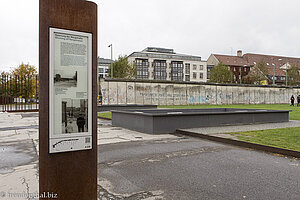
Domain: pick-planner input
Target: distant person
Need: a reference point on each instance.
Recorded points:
(298, 100)
(292, 100)
(80, 123)
(69, 128)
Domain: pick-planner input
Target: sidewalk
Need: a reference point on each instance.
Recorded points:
(18, 157)
(19, 151)
(19, 147)
(218, 134)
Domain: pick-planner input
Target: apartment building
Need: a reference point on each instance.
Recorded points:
(241, 64)
(103, 67)
(237, 64)
(155, 63)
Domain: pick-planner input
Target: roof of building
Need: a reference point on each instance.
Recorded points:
(250, 59)
(231, 60)
(163, 53)
(103, 61)
(158, 50)
(270, 60)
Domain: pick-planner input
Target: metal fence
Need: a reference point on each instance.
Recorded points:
(19, 93)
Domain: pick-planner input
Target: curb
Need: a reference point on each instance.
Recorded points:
(259, 147)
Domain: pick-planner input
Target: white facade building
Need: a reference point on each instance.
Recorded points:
(164, 64)
(103, 67)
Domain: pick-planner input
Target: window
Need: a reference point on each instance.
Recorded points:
(160, 67)
(187, 71)
(142, 68)
(194, 75)
(201, 67)
(187, 77)
(177, 71)
(194, 67)
(201, 75)
(209, 67)
(187, 68)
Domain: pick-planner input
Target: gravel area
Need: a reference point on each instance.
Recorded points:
(252, 127)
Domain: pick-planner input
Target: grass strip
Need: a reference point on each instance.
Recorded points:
(105, 115)
(286, 138)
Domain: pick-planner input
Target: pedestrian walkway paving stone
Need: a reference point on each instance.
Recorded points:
(19, 162)
(19, 140)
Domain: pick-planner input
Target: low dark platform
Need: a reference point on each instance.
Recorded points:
(168, 120)
(102, 108)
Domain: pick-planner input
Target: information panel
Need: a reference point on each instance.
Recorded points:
(70, 91)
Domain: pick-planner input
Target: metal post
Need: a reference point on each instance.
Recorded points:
(111, 57)
(240, 75)
(273, 74)
(286, 77)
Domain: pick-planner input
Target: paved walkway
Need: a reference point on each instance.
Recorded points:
(221, 130)
(18, 156)
(19, 151)
(240, 128)
(19, 148)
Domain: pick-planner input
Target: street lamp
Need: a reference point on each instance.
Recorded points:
(111, 57)
(273, 73)
(240, 75)
(286, 77)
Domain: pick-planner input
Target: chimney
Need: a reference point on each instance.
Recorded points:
(239, 53)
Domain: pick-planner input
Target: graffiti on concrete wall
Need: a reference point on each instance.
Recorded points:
(121, 92)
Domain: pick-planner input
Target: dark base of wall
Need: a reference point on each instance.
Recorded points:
(161, 121)
(102, 108)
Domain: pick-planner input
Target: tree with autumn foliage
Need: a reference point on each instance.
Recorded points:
(3, 76)
(221, 74)
(293, 75)
(122, 69)
(258, 73)
(24, 80)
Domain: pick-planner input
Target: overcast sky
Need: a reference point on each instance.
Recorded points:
(194, 27)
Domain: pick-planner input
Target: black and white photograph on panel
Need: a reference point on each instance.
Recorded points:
(65, 78)
(74, 115)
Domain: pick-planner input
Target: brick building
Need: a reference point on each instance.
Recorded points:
(241, 64)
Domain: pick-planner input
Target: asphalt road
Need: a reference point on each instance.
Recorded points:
(191, 168)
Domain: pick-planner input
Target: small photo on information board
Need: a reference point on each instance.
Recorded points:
(70, 98)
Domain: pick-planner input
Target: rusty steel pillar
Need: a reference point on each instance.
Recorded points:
(67, 175)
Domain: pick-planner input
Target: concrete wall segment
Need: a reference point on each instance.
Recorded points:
(182, 93)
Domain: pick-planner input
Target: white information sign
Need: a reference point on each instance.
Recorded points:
(70, 98)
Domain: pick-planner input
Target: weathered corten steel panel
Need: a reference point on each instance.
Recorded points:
(71, 175)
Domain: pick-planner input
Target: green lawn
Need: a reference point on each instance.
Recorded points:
(106, 115)
(287, 138)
